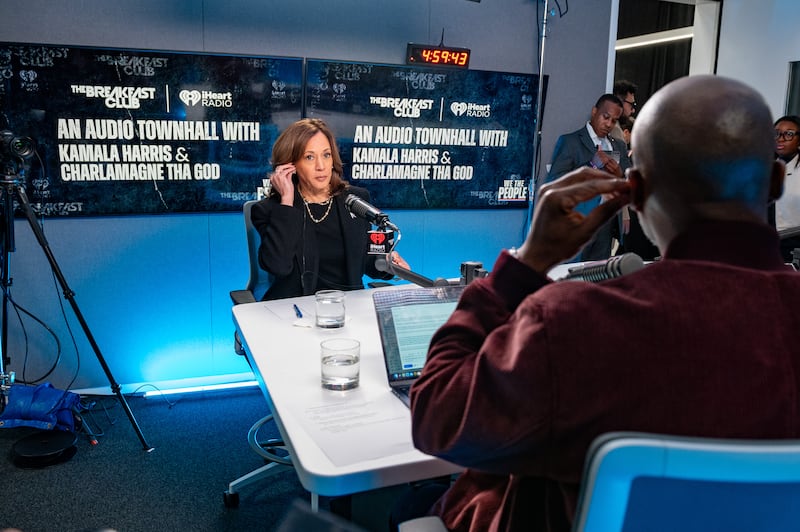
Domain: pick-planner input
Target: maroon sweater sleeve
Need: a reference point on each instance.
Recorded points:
(475, 386)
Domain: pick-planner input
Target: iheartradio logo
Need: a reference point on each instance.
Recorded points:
(458, 108)
(379, 242)
(190, 97)
(474, 110)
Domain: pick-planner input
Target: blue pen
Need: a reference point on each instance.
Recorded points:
(297, 311)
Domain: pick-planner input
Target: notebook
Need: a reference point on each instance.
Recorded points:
(407, 319)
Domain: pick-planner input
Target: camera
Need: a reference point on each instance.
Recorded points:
(14, 146)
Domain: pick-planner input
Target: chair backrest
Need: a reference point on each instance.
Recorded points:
(258, 282)
(639, 481)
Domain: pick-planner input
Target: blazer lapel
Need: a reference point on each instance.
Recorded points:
(586, 140)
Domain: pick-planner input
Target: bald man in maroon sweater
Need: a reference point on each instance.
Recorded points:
(527, 372)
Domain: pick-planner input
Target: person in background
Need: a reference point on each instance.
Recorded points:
(527, 372)
(626, 92)
(625, 124)
(785, 214)
(309, 240)
(592, 145)
(632, 238)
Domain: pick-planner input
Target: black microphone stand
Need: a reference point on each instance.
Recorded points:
(385, 263)
(11, 187)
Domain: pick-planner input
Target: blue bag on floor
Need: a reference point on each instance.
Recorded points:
(43, 407)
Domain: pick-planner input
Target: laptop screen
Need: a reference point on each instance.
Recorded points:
(407, 319)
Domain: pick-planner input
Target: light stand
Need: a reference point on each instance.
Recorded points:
(11, 187)
(533, 189)
(6, 379)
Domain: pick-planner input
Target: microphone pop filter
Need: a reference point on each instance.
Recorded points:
(625, 264)
(614, 267)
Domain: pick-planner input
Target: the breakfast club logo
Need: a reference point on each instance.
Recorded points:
(116, 97)
(403, 107)
(346, 72)
(60, 208)
(513, 189)
(206, 98)
(135, 65)
(471, 109)
(38, 56)
(420, 80)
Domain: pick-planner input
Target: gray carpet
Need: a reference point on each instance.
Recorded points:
(200, 445)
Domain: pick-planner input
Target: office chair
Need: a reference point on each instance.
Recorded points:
(639, 481)
(273, 451)
(659, 483)
(258, 282)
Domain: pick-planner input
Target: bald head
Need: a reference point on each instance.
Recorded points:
(704, 148)
(708, 139)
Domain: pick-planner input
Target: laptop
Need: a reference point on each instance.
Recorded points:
(407, 319)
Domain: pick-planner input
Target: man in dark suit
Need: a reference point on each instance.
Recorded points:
(593, 145)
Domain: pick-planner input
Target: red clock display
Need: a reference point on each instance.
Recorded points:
(420, 54)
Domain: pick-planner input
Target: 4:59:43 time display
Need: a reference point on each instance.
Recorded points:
(437, 55)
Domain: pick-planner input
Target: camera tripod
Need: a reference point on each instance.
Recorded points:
(11, 187)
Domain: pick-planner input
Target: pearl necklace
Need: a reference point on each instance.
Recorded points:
(328, 202)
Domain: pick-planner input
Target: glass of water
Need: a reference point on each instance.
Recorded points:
(341, 363)
(330, 309)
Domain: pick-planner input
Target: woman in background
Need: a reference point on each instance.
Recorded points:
(309, 240)
(786, 215)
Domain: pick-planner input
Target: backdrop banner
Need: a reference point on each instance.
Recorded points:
(137, 132)
(147, 132)
(422, 137)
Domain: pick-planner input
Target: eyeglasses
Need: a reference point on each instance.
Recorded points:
(632, 104)
(788, 135)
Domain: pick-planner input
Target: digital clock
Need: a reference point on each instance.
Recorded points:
(420, 54)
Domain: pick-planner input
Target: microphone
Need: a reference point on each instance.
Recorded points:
(594, 272)
(362, 209)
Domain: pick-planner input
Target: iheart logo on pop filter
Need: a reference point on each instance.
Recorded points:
(189, 97)
(377, 238)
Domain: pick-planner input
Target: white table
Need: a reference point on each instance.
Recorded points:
(340, 442)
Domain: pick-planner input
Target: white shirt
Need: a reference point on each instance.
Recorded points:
(787, 208)
(604, 142)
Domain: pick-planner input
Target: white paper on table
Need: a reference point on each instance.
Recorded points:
(357, 429)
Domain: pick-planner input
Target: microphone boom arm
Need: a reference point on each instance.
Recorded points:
(385, 264)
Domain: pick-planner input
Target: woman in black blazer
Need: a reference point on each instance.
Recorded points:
(309, 240)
